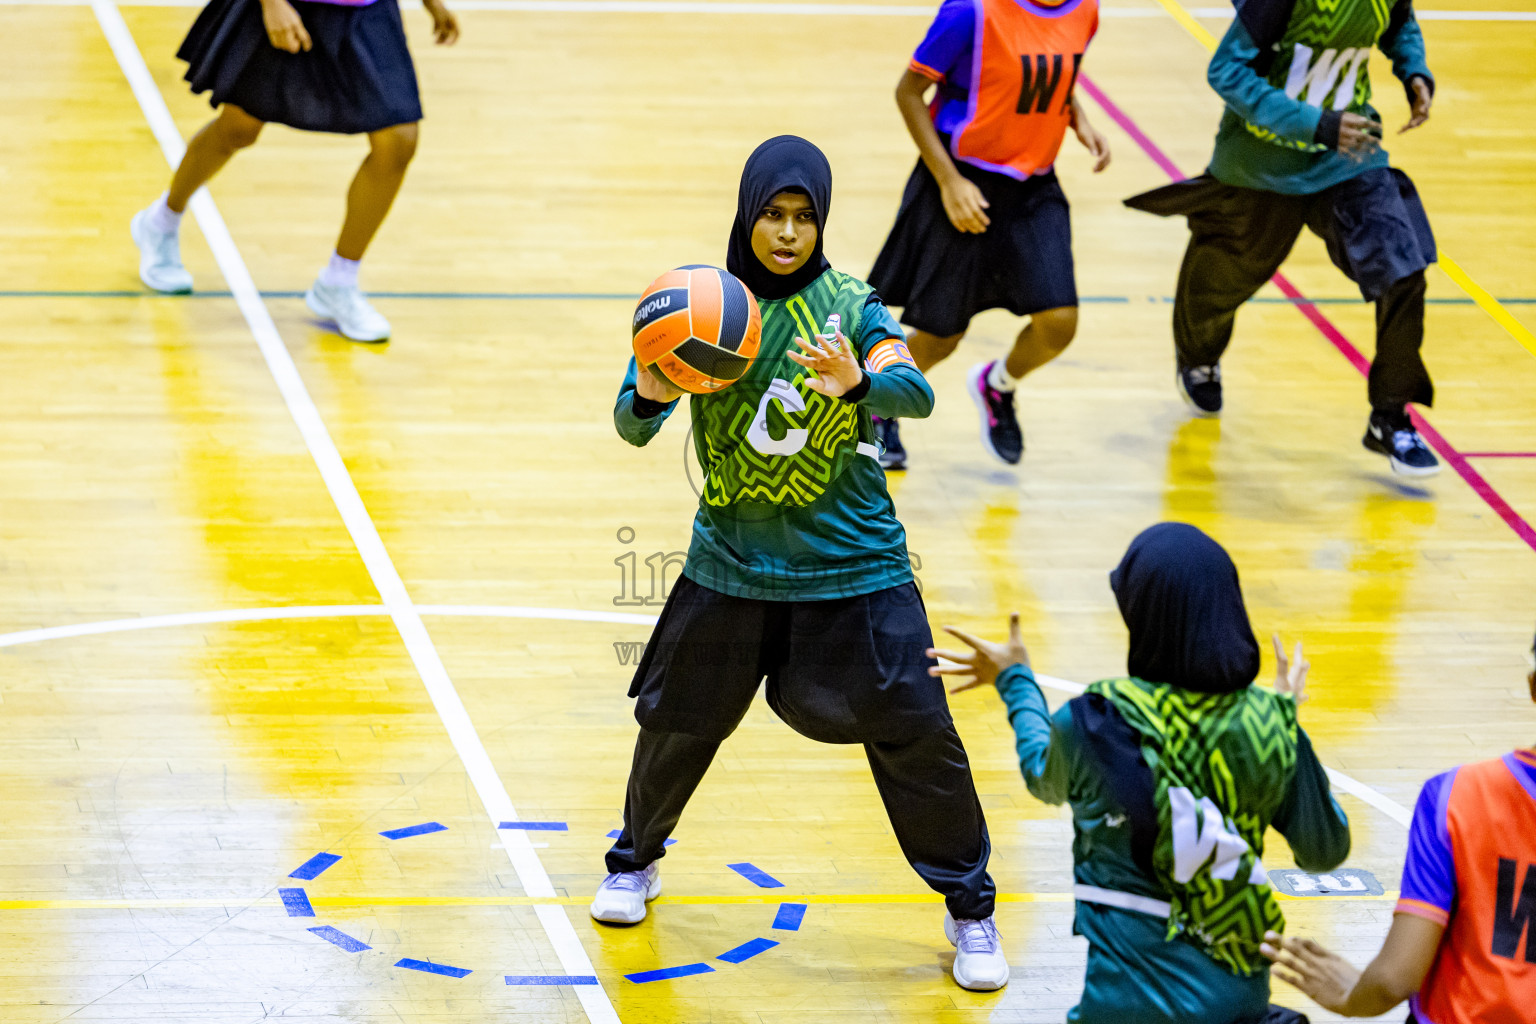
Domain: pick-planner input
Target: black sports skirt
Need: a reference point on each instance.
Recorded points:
(941, 277)
(358, 77)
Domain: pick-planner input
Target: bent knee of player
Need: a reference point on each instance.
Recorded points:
(1055, 328)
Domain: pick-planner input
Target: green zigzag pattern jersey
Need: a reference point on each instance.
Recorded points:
(1239, 751)
(735, 470)
(1332, 40)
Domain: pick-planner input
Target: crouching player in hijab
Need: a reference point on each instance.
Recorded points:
(1173, 776)
(798, 570)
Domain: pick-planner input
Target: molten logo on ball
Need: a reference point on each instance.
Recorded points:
(698, 327)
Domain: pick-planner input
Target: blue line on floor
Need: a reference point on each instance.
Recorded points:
(424, 828)
(746, 951)
(670, 972)
(341, 939)
(535, 826)
(311, 869)
(296, 902)
(551, 979)
(757, 876)
(790, 916)
(429, 967)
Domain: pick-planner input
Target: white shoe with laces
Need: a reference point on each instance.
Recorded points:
(160, 266)
(622, 897)
(979, 961)
(354, 317)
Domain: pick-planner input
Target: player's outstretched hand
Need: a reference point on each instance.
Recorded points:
(985, 661)
(835, 362)
(656, 387)
(1423, 96)
(964, 204)
(445, 27)
(285, 29)
(1290, 673)
(1359, 136)
(1324, 976)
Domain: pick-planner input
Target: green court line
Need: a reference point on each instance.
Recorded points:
(1270, 300)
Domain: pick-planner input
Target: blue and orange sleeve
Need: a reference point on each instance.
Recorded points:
(897, 388)
(1429, 870)
(951, 36)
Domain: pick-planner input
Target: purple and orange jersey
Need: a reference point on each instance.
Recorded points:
(1471, 867)
(1006, 69)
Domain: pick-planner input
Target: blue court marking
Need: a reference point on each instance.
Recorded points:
(341, 939)
(616, 833)
(746, 951)
(296, 902)
(414, 830)
(551, 979)
(670, 972)
(310, 869)
(429, 967)
(790, 916)
(535, 826)
(756, 876)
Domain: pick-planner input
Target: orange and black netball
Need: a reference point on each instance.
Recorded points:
(699, 327)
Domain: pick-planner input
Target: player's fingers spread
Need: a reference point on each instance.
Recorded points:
(963, 636)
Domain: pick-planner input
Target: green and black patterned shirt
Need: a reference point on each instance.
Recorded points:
(792, 503)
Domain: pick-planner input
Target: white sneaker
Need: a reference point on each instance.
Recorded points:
(622, 897)
(159, 257)
(979, 962)
(353, 316)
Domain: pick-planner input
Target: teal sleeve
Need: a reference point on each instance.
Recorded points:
(1045, 744)
(1310, 818)
(1250, 95)
(900, 391)
(1404, 43)
(637, 430)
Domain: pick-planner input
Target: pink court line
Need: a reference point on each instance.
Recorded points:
(1457, 460)
(1499, 455)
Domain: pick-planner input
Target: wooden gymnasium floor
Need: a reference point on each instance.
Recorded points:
(216, 663)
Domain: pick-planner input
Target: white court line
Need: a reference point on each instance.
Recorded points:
(1383, 803)
(407, 619)
(792, 8)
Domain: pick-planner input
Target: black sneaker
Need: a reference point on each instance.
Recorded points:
(1000, 431)
(1200, 387)
(892, 455)
(1392, 434)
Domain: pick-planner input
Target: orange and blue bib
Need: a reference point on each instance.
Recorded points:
(1471, 867)
(1006, 70)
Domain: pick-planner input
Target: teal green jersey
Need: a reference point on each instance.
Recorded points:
(1287, 92)
(792, 500)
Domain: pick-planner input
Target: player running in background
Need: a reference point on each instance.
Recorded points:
(1298, 146)
(1462, 947)
(983, 223)
(1173, 776)
(337, 66)
(798, 570)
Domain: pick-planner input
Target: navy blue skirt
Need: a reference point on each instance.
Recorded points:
(358, 77)
(941, 277)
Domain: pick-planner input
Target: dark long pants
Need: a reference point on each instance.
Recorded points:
(1375, 230)
(852, 670)
(925, 784)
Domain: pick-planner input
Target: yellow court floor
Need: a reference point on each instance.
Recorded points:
(266, 594)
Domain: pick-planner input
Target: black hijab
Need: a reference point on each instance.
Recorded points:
(1180, 598)
(786, 163)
